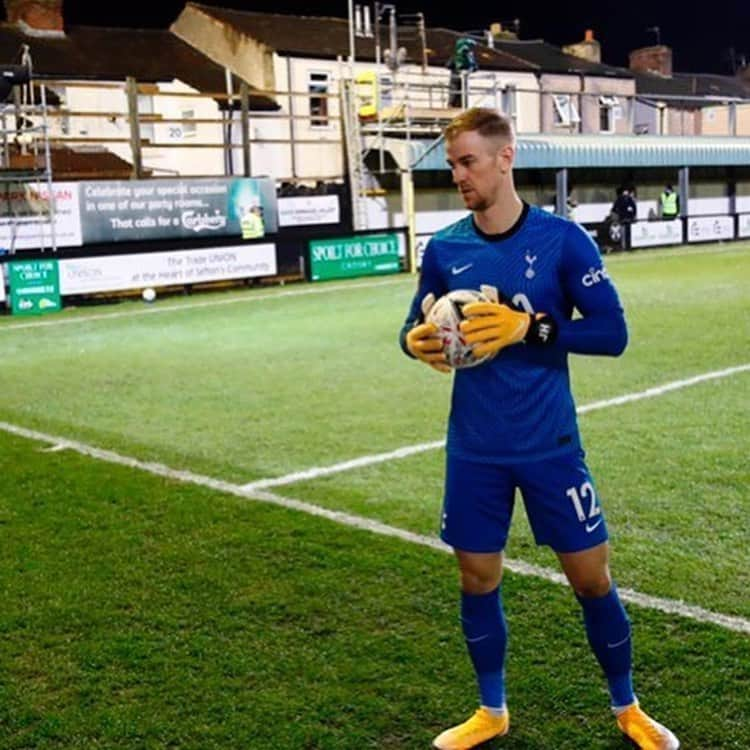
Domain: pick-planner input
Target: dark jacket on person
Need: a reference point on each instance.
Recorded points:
(624, 206)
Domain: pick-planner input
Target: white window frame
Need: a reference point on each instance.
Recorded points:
(608, 108)
(566, 112)
(65, 121)
(146, 107)
(509, 99)
(319, 82)
(189, 129)
(386, 91)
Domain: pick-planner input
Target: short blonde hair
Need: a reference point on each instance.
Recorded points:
(487, 122)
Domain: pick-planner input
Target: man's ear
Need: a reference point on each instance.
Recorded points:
(507, 155)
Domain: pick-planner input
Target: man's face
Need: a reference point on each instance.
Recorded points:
(478, 165)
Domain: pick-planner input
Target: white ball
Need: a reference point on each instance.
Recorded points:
(447, 314)
(149, 295)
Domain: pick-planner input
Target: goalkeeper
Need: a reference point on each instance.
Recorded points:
(512, 421)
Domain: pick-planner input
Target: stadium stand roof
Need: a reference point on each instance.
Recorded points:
(559, 151)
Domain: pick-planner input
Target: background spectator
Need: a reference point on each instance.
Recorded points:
(624, 206)
(669, 203)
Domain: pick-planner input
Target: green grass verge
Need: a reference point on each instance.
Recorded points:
(138, 612)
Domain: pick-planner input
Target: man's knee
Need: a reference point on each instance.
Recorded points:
(588, 571)
(472, 583)
(592, 587)
(479, 573)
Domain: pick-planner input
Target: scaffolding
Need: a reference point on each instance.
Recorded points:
(27, 213)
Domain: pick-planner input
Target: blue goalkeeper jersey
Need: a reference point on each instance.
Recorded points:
(519, 405)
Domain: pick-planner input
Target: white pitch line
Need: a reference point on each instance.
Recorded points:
(355, 463)
(317, 290)
(410, 450)
(668, 606)
(328, 289)
(662, 389)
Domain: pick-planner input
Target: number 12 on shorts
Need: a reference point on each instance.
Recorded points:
(584, 495)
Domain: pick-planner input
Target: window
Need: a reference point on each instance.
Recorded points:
(65, 122)
(146, 107)
(386, 91)
(566, 112)
(608, 112)
(189, 129)
(509, 101)
(317, 86)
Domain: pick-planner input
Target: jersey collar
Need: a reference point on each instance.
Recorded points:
(508, 232)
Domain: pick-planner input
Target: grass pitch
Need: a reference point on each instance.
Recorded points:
(144, 612)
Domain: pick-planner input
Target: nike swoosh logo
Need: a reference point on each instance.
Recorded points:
(591, 527)
(619, 643)
(455, 271)
(476, 640)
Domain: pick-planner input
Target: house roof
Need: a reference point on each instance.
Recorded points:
(68, 162)
(77, 163)
(328, 38)
(550, 59)
(713, 85)
(93, 53)
(688, 89)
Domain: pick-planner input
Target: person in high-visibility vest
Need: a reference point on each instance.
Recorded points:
(251, 223)
(669, 203)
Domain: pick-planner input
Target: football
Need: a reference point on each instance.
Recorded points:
(149, 294)
(447, 314)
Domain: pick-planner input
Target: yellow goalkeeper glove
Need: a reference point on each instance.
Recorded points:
(422, 340)
(491, 326)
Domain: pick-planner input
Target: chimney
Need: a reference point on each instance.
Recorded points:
(498, 32)
(36, 17)
(589, 49)
(656, 59)
(367, 21)
(743, 76)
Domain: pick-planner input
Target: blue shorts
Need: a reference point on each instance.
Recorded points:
(561, 503)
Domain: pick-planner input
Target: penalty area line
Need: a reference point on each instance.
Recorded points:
(667, 606)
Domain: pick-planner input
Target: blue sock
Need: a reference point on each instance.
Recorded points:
(608, 631)
(486, 636)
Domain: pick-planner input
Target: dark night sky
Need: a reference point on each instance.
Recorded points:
(701, 42)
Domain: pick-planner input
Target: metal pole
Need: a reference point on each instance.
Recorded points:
(228, 155)
(135, 129)
(245, 128)
(423, 39)
(684, 193)
(378, 106)
(561, 194)
(684, 190)
(407, 206)
(732, 190)
(393, 37)
(292, 147)
(351, 38)
(48, 167)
